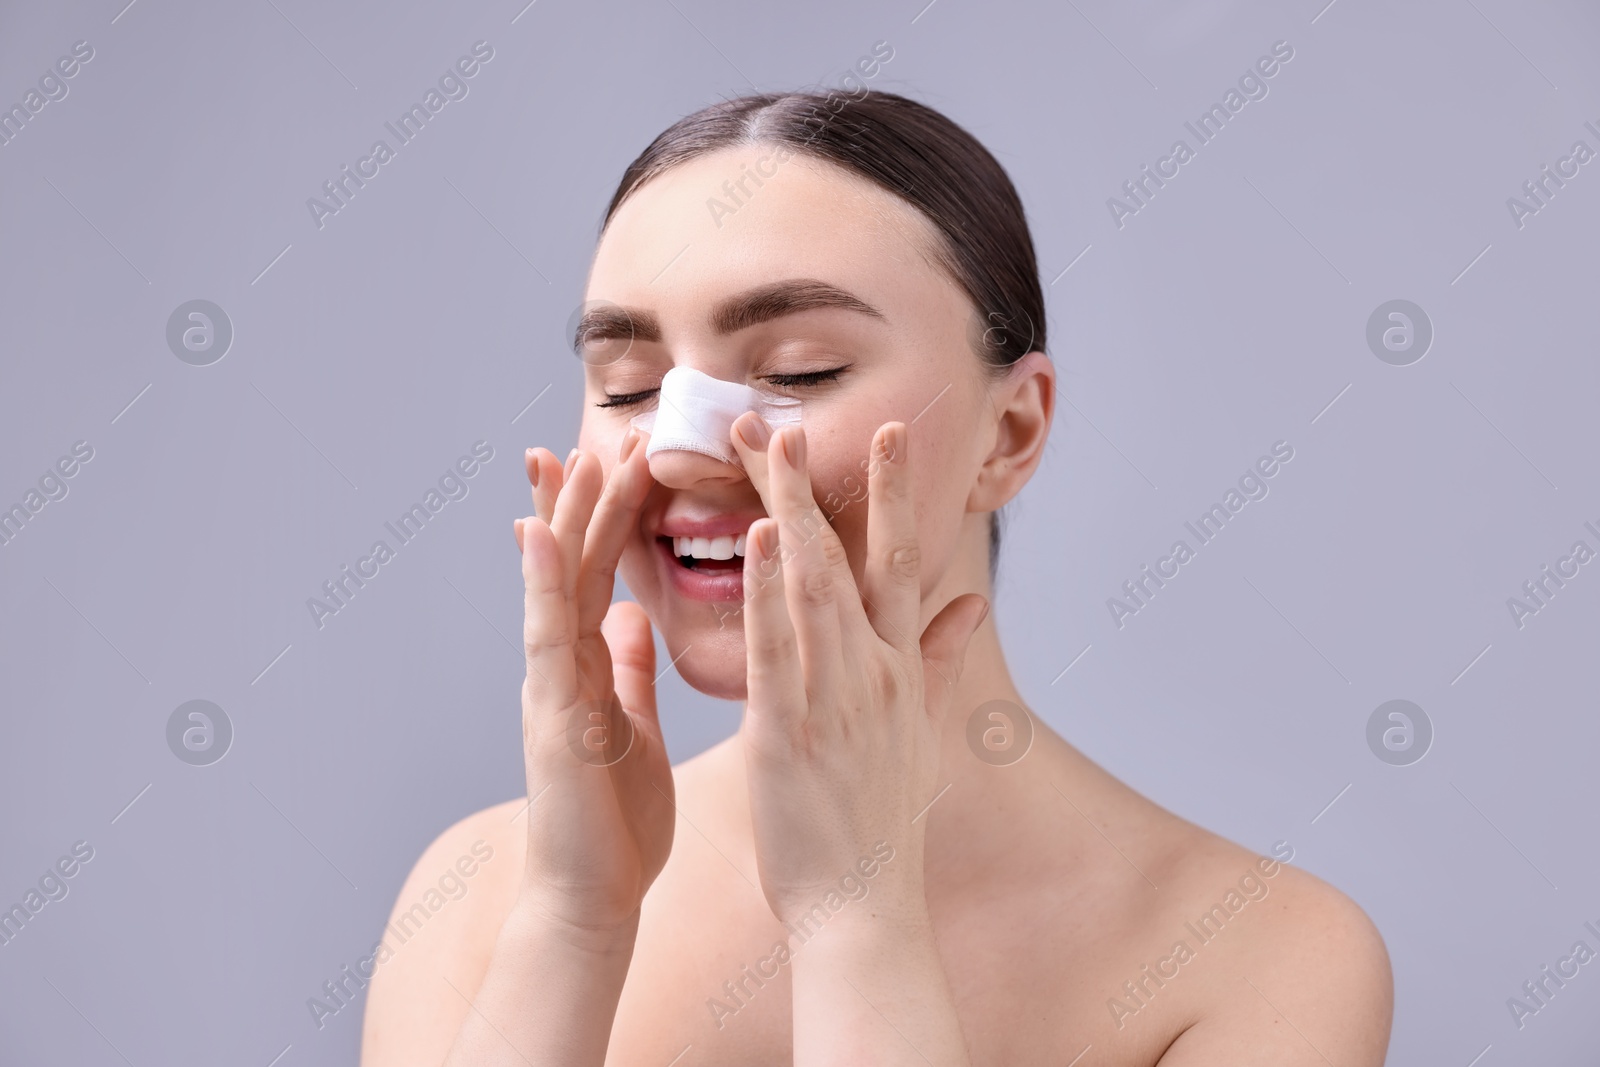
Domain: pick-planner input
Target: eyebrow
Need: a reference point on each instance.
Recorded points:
(749, 308)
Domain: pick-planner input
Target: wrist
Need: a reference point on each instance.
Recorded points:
(537, 920)
(879, 920)
(550, 991)
(884, 886)
(862, 945)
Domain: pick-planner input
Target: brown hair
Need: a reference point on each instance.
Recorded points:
(920, 156)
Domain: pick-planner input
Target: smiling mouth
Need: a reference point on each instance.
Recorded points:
(711, 555)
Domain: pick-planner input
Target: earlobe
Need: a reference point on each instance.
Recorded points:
(1024, 406)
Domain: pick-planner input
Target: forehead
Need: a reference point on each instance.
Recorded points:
(737, 218)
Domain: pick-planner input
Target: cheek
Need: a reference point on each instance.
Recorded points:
(942, 473)
(840, 491)
(634, 567)
(842, 465)
(602, 440)
(840, 483)
(839, 486)
(938, 514)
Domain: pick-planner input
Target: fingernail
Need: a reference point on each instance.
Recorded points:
(794, 449)
(898, 439)
(629, 440)
(572, 458)
(533, 469)
(756, 433)
(984, 614)
(768, 538)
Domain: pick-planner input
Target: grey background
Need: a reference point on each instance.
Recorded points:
(1226, 315)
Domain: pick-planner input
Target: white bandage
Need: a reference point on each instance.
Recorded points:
(696, 412)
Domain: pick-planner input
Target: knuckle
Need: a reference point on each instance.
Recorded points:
(807, 732)
(638, 661)
(538, 643)
(833, 552)
(885, 686)
(816, 588)
(543, 581)
(771, 647)
(604, 570)
(903, 560)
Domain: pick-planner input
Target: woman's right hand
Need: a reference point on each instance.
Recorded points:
(601, 812)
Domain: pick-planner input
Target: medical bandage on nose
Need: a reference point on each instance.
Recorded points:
(696, 412)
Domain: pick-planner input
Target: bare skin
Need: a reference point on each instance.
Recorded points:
(1019, 899)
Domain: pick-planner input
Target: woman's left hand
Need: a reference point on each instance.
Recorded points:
(846, 691)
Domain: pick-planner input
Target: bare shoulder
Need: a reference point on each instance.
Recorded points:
(1296, 971)
(441, 934)
(446, 921)
(1260, 960)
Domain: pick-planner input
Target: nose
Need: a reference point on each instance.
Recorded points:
(679, 468)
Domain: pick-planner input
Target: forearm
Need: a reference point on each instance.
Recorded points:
(873, 989)
(548, 998)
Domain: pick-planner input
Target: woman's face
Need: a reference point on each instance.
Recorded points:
(811, 271)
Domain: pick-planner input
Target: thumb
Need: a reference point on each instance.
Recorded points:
(626, 629)
(945, 643)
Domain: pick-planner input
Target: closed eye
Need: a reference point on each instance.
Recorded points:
(782, 381)
(815, 377)
(622, 400)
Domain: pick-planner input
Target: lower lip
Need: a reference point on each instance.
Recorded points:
(699, 584)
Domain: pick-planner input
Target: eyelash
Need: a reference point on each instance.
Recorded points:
(782, 381)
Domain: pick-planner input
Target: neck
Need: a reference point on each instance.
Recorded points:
(974, 826)
(1007, 772)
(995, 759)
(985, 688)
(980, 810)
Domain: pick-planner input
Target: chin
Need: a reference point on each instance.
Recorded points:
(709, 637)
(716, 681)
(715, 661)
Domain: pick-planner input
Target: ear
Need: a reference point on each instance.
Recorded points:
(1024, 405)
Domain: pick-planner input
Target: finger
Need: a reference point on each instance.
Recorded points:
(626, 629)
(775, 681)
(751, 437)
(891, 579)
(580, 492)
(614, 521)
(547, 637)
(944, 648)
(544, 477)
(817, 580)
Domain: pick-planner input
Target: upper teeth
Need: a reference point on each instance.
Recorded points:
(709, 547)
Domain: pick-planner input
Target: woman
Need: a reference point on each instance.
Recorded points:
(854, 877)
